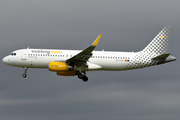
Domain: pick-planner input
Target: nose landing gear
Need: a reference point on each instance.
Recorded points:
(25, 71)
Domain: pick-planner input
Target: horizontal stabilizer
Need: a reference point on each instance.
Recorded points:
(161, 57)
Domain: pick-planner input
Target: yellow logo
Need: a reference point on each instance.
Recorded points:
(56, 52)
(162, 36)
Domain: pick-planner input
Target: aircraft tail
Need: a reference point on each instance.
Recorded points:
(160, 43)
(154, 53)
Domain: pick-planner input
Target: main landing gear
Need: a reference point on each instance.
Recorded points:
(25, 71)
(83, 76)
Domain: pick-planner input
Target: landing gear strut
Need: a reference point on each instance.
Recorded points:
(83, 76)
(25, 71)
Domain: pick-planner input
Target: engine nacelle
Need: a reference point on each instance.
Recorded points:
(67, 73)
(59, 67)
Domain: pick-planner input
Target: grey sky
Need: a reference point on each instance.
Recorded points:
(129, 25)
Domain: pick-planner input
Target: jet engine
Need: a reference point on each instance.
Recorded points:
(59, 67)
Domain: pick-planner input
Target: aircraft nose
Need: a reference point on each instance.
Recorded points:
(5, 60)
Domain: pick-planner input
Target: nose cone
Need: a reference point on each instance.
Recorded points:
(5, 60)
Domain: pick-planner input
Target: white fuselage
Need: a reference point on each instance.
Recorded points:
(40, 58)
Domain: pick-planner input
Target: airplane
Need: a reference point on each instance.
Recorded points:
(78, 62)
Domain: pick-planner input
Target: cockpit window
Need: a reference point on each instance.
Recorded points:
(14, 54)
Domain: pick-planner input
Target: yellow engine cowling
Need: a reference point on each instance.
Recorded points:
(59, 66)
(68, 73)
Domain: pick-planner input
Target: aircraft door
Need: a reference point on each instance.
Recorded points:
(24, 55)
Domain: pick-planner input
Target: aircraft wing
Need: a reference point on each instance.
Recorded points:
(84, 55)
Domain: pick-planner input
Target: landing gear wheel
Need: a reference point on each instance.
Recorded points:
(85, 78)
(24, 75)
(80, 76)
(25, 71)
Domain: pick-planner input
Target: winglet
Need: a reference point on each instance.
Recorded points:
(96, 41)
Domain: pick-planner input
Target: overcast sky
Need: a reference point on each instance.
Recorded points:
(125, 25)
